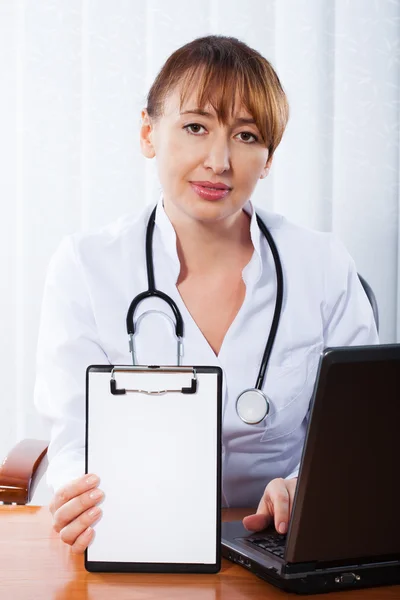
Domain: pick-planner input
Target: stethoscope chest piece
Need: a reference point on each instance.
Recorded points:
(252, 406)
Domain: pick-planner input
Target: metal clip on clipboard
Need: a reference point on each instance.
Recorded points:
(184, 390)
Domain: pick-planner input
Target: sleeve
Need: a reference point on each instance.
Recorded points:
(68, 343)
(347, 313)
(348, 319)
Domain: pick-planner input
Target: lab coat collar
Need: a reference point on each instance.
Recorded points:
(252, 271)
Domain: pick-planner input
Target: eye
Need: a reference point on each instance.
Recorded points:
(193, 125)
(255, 138)
(190, 126)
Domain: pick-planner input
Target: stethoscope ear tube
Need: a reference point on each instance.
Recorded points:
(130, 325)
(152, 292)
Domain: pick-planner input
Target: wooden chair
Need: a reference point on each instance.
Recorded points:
(22, 470)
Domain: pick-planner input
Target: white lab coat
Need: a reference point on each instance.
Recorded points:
(91, 281)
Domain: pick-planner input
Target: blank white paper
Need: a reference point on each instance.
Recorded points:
(156, 457)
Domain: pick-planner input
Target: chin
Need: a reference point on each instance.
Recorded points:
(189, 205)
(209, 210)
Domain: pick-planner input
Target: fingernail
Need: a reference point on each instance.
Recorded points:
(95, 511)
(244, 525)
(92, 479)
(282, 528)
(95, 494)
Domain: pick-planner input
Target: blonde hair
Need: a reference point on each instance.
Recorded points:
(221, 67)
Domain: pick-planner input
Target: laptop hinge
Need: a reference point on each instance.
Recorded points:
(364, 561)
(304, 567)
(320, 567)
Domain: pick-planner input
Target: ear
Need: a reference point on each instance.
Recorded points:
(267, 167)
(146, 134)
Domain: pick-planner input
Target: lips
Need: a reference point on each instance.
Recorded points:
(211, 185)
(208, 193)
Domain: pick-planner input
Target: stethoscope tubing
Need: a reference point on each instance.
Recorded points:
(179, 326)
(278, 303)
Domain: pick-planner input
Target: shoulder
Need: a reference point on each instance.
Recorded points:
(301, 242)
(106, 244)
(114, 237)
(285, 230)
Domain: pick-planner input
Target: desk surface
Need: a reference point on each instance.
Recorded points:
(36, 565)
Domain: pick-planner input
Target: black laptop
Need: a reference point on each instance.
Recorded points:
(344, 530)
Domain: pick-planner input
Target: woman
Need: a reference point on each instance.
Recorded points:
(215, 116)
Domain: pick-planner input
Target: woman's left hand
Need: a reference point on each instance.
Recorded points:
(275, 505)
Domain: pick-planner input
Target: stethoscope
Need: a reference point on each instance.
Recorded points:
(252, 405)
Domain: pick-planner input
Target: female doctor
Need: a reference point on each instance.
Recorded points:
(215, 116)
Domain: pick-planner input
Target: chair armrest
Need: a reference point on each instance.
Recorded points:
(18, 469)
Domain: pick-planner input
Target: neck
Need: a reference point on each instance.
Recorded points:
(206, 248)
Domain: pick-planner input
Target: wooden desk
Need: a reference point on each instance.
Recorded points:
(36, 565)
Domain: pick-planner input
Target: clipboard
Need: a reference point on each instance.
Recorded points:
(153, 436)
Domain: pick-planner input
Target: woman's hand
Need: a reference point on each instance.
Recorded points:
(74, 509)
(275, 505)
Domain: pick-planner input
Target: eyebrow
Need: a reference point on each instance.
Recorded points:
(203, 113)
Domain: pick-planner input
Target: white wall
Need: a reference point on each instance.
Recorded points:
(74, 75)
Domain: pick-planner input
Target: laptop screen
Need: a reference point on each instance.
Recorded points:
(346, 505)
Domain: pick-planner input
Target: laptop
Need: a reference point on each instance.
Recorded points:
(344, 530)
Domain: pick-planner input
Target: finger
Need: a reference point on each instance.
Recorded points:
(75, 507)
(291, 486)
(75, 488)
(83, 541)
(280, 499)
(73, 530)
(263, 517)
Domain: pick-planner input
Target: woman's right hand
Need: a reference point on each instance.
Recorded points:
(74, 510)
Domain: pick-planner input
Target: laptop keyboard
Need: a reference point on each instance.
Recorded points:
(273, 542)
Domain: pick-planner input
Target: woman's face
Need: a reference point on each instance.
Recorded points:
(192, 147)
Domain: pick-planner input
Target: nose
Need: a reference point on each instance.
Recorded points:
(218, 155)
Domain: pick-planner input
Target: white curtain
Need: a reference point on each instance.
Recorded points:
(74, 75)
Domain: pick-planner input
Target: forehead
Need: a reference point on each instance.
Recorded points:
(174, 105)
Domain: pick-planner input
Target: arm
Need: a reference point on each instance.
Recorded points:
(348, 319)
(347, 314)
(68, 342)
